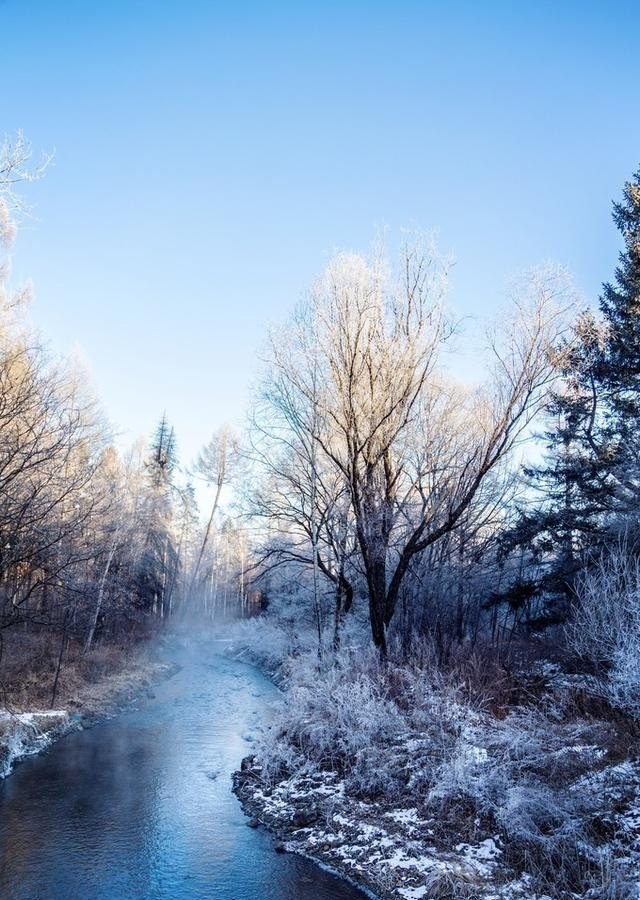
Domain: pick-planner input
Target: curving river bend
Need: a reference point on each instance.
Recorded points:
(140, 807)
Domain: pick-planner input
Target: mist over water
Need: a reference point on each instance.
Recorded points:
(141, 806)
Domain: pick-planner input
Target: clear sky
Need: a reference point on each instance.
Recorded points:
(210, 156)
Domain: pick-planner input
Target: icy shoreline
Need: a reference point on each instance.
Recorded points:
(382, 850)
(29, 733)
(477, 804)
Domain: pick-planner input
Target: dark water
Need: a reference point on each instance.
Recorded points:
(141, 806)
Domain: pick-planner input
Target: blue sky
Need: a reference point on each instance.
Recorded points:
(211, 156)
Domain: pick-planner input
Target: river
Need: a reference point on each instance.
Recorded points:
(140, 807)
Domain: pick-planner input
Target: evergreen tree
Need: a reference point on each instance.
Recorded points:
(160, 561)
(620, 373)
(590, 479)
(163, 455)
(571, 478)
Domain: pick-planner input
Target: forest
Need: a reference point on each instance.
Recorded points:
(427, 537)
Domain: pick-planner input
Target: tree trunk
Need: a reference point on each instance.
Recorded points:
(338, 616)
(98, 606)
(377, 602)
(205, 541)
(63, 644)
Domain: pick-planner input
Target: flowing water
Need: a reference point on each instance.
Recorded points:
(141, 806)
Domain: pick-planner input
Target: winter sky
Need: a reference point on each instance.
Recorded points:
(210, 156)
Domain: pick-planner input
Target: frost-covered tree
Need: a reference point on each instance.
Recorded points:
(215, 465)
(415, 455)
(89, 552)
(159, 562)
(300, 499)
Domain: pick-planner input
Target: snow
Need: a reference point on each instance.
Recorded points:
(404, 816)
(419, 797)
(28, 733)
(416, 893)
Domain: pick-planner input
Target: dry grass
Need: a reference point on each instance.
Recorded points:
(87, 683)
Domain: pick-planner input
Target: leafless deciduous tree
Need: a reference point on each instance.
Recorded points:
(214, 465)
(360, 404)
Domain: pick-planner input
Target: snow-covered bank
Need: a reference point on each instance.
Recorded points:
(24, 734)
(375, 846)
(395, 778)
(398, 851)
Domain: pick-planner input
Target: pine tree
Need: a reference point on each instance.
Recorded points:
(590, 480)
(163, 455)
(596, 443)
(160, 561)
(620, 373)
(571, 480)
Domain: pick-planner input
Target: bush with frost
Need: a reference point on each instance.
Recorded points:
(288, 631)
(267, 642)
(336, 716)
(404, 735)
(384, 729)
(606, 626)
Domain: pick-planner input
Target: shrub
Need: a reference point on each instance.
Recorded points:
(606, 626)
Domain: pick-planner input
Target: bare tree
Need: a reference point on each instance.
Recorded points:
(214, 465)
(301, 501)
(356, 381)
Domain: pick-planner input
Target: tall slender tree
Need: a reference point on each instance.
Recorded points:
(160, 560)
(620, 369)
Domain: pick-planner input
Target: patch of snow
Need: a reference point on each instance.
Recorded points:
(413, 893)
(25, 734)
(404, 816)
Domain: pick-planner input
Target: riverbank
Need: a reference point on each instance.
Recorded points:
(407, 848)
(151, 790)
(89, 691)
(397, 780)
(376, 846)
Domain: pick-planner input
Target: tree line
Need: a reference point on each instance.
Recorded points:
(371, 479)
(96, 544)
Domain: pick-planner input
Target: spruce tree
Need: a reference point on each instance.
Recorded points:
(159, 562)
(595, 444)
(589, 483)
(620, 373)
(162, 457)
